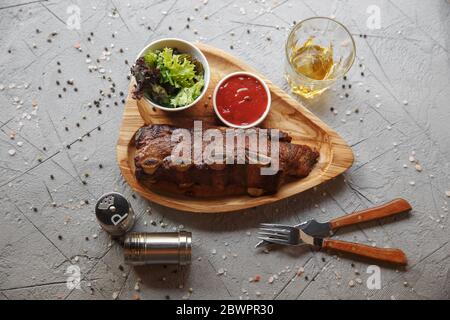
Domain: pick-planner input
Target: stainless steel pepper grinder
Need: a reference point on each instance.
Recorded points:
(158, 248)
(114, 213)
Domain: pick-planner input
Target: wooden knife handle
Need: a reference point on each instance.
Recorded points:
(391, 255)
(385, 210)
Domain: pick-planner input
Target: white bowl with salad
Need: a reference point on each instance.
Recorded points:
(171, 74)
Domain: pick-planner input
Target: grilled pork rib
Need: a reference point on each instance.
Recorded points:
(155, 168)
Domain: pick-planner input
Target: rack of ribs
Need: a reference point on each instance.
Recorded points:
(155, 166)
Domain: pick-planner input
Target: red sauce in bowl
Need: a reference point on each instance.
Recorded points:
(241, 99)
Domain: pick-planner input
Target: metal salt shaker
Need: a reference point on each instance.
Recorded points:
(114, 213)
(158, 248)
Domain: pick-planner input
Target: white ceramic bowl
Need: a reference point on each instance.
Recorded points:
(263, 116)
(184, 47)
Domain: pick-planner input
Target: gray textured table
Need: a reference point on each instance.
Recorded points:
(396, 116)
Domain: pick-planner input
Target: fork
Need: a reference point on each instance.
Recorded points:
(288, 235)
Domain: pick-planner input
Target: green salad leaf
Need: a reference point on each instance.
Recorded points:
(150, 58)
(187, 95)
(176, 70)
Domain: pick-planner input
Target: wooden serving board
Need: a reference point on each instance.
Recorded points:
(286, 114)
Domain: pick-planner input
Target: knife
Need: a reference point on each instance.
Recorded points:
(326, 229)
(391, 255)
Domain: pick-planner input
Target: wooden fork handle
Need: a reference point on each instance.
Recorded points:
(391, 255)
(385, 210)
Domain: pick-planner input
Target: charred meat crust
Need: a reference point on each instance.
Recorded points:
(153, 164)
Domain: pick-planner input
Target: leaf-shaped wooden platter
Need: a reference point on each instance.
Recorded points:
(286, 114)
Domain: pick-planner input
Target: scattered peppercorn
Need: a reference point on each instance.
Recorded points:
(35, 209)
(60, 237)
(52, 177)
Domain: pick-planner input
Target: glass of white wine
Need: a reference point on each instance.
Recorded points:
(319, 51)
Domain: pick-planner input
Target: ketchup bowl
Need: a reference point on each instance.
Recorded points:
(241, 100)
